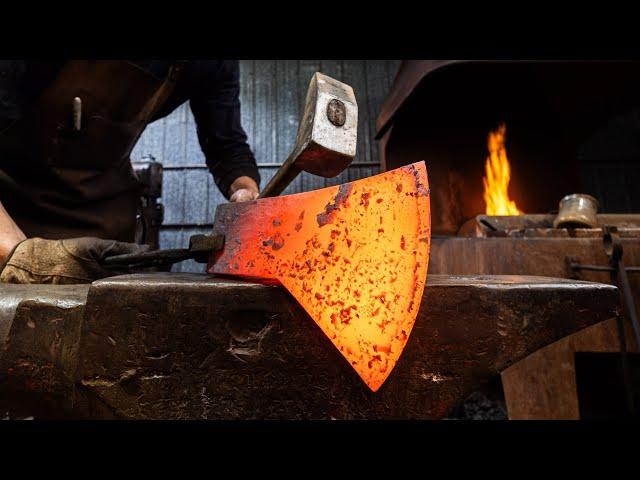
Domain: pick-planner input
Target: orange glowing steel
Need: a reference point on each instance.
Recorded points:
(354, 256)
(497, 177)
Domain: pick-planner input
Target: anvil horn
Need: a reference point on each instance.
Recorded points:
(354, 256)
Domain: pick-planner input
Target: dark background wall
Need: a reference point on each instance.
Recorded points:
(272, 96)
(610, 164)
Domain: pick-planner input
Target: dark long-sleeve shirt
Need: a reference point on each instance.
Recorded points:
(211, 87)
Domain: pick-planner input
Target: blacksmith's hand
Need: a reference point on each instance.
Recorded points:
(243, 189)
(68, 261)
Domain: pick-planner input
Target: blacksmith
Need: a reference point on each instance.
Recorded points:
(68, 193)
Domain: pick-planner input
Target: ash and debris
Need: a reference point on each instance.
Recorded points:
(487, 403)
(478, 406)
(9, 415)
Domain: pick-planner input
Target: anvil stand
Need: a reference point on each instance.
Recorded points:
(618, 271)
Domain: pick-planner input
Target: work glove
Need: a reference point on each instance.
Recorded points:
(68, 261)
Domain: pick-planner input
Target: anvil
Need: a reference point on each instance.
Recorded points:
(192, 346)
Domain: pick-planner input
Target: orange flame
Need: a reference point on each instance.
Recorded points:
(354, 256)
(497, 177)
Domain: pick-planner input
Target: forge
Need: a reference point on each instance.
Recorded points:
(569, 128)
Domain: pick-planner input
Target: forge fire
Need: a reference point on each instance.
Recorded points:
(498, 176)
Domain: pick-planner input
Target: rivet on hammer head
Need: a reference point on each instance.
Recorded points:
(336, 112)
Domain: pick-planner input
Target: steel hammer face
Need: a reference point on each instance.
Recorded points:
(328, 131)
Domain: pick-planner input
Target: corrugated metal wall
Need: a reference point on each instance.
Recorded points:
(272, 96)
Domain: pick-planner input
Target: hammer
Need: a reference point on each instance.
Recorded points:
(325, 146)
(327, 133)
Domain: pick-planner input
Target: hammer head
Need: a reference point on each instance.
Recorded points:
(326, 139)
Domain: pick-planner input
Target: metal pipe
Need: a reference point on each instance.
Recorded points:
(600, 268)
(77, 113)
(628, 300)
(626, 372)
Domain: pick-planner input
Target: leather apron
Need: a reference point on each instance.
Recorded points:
(57, 182)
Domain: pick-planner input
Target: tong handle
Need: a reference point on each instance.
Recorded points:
(154, 258)
(200, 248)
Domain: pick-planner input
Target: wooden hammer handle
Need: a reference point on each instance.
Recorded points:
(287, 172)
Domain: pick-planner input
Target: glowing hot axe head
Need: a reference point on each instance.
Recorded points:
(354, 256)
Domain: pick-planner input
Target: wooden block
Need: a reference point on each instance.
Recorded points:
(543, 385)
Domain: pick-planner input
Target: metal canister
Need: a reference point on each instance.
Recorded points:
(577, 210)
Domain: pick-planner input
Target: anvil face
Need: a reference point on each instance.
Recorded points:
(354, 256)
